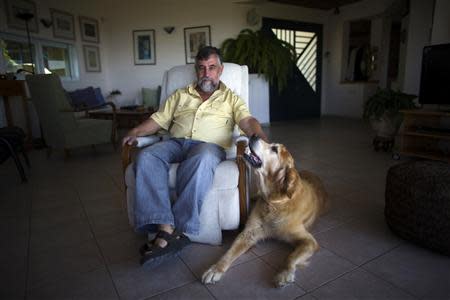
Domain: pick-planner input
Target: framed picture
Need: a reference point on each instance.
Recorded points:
(63, 24)
(194, 39)
(92, 58)
(15, 7)
(144, 47)
(89, 30)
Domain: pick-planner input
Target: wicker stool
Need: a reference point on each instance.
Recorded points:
(418, 203)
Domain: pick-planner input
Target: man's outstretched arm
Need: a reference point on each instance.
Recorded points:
(251, 126)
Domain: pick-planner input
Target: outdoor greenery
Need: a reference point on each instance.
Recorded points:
(263, 53)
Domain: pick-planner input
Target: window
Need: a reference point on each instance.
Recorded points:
(48, 56)
(305, 44)
(17, 56)
(56, 60)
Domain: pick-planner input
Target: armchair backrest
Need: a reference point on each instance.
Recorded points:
(234, 76)
(52, 106)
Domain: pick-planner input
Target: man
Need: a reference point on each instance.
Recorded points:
(200, 119)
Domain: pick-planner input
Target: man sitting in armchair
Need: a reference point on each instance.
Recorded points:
(200, 119)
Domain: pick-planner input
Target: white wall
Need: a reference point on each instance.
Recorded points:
(346, 99)
(418, 36)
(441, 23)
(226, 19)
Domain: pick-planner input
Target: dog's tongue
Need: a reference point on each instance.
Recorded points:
(253, 159)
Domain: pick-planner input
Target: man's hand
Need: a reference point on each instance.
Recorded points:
(147, 127)
(251, 126)
(129, 140)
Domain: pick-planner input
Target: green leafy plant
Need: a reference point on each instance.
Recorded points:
(263, 53)
(387, 102)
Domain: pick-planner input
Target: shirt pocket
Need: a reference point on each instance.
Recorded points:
(220, 118)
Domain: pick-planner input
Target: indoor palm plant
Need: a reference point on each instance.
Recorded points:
(382, 110)
(263, 53)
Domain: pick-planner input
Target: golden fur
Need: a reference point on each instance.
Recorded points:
(289, 204)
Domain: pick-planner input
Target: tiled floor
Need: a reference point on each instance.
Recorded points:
(65, 233)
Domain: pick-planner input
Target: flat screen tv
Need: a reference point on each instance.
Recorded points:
(435, 76)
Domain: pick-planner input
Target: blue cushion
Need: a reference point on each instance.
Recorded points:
(87, 97)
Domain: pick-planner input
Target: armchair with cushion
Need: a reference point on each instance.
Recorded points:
(225, 205)
(61, 128)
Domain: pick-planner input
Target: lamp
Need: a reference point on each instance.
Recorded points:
(46, 22)
(26, 17)
(169, 29)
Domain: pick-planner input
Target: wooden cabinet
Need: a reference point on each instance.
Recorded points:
(425, 134)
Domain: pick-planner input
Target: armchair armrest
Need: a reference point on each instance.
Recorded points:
(142, 141)
(241, 144)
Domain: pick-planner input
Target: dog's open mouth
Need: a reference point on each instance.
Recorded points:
(252, 158)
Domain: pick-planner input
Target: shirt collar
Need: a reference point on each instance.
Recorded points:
(222, 88)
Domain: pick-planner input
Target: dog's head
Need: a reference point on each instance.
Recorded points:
(273, 161)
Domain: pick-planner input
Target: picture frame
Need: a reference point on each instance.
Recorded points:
(89, 30)
(194, 39)
(92, 58)
(144, 47)
(63, 24)
(13, 7)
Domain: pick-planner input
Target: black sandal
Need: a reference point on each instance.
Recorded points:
(153, 254)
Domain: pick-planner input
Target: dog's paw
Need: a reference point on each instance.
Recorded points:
(212, 275)
(284, 278)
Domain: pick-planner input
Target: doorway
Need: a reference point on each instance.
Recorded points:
(301, 99)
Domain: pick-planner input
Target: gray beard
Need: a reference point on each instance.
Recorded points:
(207, 86)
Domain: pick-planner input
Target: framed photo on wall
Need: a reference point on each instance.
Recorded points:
(63, 24)
(194, 39)
(89, 30)
(144, 47)
(92, 58)
(14, 7)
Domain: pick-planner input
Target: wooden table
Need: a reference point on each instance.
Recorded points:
(125, 118)
(11, 88)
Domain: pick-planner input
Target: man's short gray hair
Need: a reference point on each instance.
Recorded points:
(206, 52)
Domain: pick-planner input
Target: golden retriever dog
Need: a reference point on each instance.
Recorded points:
(289, 204)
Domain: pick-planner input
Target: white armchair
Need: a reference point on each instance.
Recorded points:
(225, 205)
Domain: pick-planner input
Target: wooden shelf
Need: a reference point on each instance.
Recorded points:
(428, 134)
(421, 135)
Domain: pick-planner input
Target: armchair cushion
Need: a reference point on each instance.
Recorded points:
(87, 97)
(150, 97)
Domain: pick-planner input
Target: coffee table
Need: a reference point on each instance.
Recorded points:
(125, 118)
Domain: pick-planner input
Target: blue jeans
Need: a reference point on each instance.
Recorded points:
(198, 161)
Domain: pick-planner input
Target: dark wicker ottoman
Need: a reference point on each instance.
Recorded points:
(418, 203)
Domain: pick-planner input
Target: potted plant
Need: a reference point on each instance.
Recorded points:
(382, 110)
(263, 53)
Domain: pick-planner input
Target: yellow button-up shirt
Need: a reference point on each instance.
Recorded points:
(186, 115)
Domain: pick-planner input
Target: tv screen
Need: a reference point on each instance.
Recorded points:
(435, 77)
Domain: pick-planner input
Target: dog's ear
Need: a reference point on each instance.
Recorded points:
(290, 180)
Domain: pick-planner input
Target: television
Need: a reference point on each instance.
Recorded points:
(435, 75)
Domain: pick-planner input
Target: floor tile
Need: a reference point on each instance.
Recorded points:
(93, 285)
(109, 224)
(68, 226)
(189, 291)
(359, 284)
(136, 282)
(53, 264)
(324, 266)
(65, 235)
(420, 271)
(199, 257)
(360, 240)
(252, 280)
(121, 246)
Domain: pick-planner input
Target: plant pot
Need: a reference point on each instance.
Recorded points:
(386, 126)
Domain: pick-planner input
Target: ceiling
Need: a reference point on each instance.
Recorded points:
(318, 4)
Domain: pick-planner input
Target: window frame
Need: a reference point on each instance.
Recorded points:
(38, 56)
